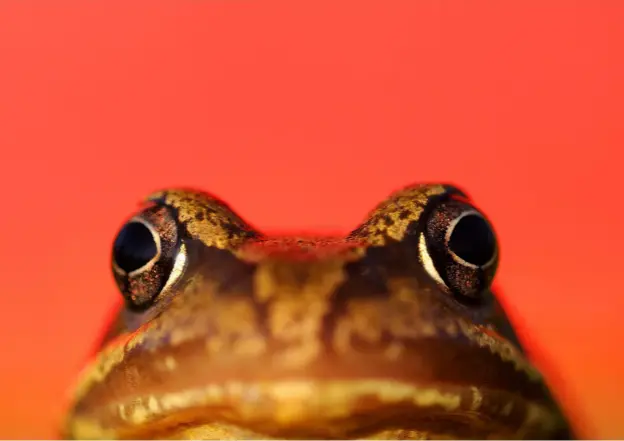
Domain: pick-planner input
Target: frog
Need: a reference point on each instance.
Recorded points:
(392, 331)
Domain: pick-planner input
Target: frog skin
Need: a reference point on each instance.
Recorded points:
(390, 332)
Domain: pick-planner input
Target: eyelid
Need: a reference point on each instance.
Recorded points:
(427, 261)
(179, 265)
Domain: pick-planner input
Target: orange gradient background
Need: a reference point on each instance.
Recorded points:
(303, 115)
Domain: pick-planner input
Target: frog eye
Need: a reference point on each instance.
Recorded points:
(147, 256)
(458, 248)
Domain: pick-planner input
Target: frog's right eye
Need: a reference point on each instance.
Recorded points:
(148, 256)
(458, 248)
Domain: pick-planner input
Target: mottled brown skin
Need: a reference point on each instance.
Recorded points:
(303, 337)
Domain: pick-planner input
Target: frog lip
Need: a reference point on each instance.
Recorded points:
(138, 381)
(330, 409)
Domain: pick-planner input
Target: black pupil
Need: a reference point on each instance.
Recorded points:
(472, 240)
(134, 247)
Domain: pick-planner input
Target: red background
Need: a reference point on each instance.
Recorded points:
(304, 115)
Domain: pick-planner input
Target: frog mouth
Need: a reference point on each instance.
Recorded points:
(370, 408)
(474, 386)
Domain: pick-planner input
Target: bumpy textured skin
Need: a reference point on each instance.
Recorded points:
(306, 337)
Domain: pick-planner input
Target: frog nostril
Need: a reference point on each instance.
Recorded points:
(134, 247)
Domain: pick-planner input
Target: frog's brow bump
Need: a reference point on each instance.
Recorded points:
(391, 218)
(206, 217)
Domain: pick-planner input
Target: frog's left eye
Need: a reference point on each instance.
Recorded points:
(147, 256)
(458, 248)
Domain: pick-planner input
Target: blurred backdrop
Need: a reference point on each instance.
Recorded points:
(303, 115)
